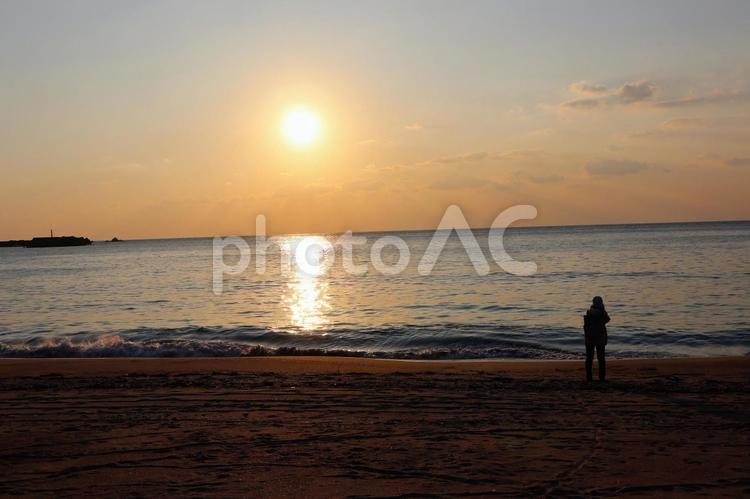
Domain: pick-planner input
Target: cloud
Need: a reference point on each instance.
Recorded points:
(414, 127)
(583, 104)
(682, 123)
(614, 167)
(586, 88)
(638, 91)
(680, 102)
(643, 93)
(738, 162)
(716, 97)
(600, 96)
(673, 127)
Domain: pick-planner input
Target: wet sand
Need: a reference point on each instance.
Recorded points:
(335, 427)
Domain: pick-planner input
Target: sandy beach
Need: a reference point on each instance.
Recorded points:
(336, 427)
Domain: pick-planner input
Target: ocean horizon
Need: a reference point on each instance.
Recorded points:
(418, 230)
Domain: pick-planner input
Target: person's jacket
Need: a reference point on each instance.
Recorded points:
(594, 326)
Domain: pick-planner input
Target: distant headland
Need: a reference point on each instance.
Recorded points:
(47, 242)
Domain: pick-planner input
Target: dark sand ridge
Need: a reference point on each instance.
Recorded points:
(328, 427)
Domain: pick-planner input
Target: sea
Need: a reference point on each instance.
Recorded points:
(672, 290)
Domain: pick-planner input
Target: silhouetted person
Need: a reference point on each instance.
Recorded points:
(595, 331)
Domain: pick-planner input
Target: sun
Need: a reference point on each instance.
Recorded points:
(301, 127)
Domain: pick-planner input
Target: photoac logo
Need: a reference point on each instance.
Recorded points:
(314, 255)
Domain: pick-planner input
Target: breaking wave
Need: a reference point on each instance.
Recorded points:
(445, 341)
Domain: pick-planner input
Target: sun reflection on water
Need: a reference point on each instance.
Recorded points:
(307, 299)
(306, 295)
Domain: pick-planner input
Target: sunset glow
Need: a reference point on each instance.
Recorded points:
(366, 118)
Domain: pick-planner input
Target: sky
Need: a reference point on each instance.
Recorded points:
(146, 119)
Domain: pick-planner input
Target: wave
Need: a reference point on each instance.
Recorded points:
(432, 341)
(115, 346)
(436, 341)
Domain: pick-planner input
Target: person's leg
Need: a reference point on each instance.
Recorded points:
(602, 362)
(589, 362)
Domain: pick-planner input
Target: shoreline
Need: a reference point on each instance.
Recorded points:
(114, 366)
